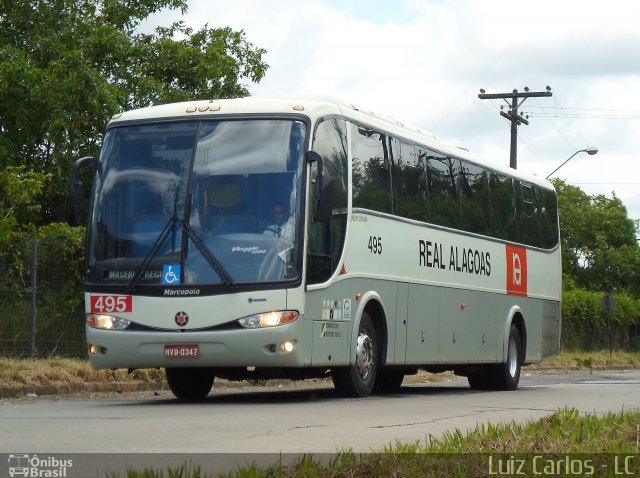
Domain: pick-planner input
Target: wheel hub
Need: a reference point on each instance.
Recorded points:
(512, 358)
(364, 355)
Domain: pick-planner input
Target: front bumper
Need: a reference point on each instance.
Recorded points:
(111, 349)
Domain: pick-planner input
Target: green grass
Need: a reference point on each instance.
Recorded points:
(566, 431)
(589, 439)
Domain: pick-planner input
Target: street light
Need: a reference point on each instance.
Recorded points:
(591, 150)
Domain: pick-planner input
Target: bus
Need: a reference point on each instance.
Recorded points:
(301, 237)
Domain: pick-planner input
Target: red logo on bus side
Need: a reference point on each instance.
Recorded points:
(516, 270)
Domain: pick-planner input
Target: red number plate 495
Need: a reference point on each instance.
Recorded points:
(181, 351)
(102, 304)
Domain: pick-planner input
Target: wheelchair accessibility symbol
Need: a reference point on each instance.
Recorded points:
(171, 274)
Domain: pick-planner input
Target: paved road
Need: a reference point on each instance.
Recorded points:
(304, 419)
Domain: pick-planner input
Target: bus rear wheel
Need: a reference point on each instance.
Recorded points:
(190, 383)
(358, 380)
(506, 376)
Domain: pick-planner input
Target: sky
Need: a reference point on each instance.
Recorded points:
(423, 62)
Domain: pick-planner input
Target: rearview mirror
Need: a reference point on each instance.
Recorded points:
(75, 200)
(313, 157)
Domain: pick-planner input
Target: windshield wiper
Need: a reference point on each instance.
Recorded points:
(169, 226)
(152, 252)
(208, 256)
(227, 280)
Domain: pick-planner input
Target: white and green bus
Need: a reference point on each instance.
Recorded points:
(294, 238)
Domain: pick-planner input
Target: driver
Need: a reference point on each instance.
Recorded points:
(283, 225)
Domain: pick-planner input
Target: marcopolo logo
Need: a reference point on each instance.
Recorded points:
(38, 467)
(182, 318)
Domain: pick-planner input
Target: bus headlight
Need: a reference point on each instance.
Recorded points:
(269, 319)
(107, 322)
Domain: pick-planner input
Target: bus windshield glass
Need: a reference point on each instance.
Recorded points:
(198, 203)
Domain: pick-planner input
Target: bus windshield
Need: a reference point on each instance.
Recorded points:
(198, 203)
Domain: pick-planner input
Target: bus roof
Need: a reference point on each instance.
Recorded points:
(315, 107)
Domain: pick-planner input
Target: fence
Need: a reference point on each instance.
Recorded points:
(41, 309)
(587, 324)
(602, 337)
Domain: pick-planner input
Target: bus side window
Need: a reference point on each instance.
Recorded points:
(503, 211)
(528, 214)
(327, 228)
(444, 207)
(408, 176)
(474, 199)
(371, 169)
(548, 218)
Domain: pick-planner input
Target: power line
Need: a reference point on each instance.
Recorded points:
(542, 107)
(557, 102)
(584, 116)
(559, 130)
(609, 176)
(558, 111)
(603, 183)
(548, 111)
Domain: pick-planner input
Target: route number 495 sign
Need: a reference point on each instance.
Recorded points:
(111, 303)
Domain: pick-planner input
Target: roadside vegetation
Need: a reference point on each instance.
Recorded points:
(589, 360)
(563, 442)
(71, 373)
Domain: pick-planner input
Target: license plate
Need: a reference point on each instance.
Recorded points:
(181, 351)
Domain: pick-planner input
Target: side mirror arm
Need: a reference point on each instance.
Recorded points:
(86, 162)
(75, 200)
(314, 157)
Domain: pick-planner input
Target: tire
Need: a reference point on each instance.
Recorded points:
(359, 379)
(190, 383)
(389, 381)
(477, 381)
(506, 376)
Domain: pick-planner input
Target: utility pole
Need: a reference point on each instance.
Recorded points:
(512, 115)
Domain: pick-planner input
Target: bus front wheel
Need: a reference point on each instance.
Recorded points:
(358, 380)
(190, 383)
(389, 381)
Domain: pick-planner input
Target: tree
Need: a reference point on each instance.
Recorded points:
(20, 200)
(66, 66)
(599, 246)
